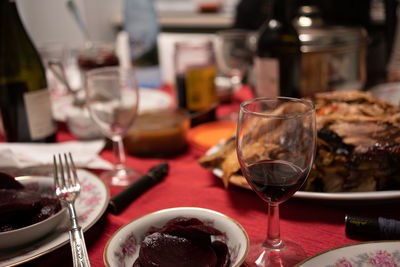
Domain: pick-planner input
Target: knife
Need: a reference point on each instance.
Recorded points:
(155, 175)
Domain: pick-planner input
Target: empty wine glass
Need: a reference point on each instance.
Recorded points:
(276, 142)
(112, 97)
(234, 54)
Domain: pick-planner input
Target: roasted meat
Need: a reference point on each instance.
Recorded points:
(358, 145)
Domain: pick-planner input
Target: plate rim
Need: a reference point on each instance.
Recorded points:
(174, 209)
(84, 229)
(344, 246)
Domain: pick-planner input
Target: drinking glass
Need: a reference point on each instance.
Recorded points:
(234, 54)
(276, 143)
(112, 97)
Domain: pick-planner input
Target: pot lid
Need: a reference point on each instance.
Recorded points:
(324, 38)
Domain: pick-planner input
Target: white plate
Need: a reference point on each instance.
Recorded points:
(90, 206)
(387, 91)
(373, 195)
(123, 247)
(149, 100)
(369, 254)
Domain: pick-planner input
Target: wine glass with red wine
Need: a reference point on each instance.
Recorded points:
(276, 143)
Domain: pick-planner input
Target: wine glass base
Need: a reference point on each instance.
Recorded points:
(288, 256)
(122, 177)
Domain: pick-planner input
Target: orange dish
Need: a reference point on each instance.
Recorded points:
(207, 135)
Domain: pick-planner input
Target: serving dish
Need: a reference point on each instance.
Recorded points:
(90, 206)
(123, 247)
(24, 235)
(377, 253)
(373, 195)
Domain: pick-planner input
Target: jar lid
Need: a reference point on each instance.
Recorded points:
(330, 38)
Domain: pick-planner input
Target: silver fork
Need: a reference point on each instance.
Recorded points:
(67, 189)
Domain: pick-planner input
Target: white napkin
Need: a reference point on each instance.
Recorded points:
(23, 155)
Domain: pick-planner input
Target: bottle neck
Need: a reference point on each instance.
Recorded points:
(9, 16)
(282, 10)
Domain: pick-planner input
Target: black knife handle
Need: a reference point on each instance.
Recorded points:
(124, 198)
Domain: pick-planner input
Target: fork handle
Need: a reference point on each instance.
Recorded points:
(78, 247)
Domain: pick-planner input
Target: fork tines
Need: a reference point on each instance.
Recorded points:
(65, 172)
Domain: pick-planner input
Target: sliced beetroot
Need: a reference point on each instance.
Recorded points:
(22, 207)
(49, 207)
(12, 199)
(8, 182)
(185, 232)
(166, 250)
(182, 242)
(222, 251)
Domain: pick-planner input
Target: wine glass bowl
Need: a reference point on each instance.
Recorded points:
(234, 54)
(112, 98)
(276, 142)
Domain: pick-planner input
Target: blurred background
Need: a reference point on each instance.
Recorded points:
(50, 21)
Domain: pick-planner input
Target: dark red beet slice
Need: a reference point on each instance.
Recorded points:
(170, 251)
(20, 208)
(222, 251)
(8, 182)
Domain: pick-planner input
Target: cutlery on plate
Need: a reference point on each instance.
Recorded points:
(67, 189)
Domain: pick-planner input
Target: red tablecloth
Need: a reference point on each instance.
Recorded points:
(314, 224)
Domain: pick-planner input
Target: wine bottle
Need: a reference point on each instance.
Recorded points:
(25, 105)
(278, 56)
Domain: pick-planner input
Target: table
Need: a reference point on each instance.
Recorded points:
(316, 225)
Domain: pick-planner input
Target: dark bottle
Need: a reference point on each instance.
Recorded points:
(278, 56)
(25, 105)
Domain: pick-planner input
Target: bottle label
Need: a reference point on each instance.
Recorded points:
(200, 88)
(267, 77)
(39, 114)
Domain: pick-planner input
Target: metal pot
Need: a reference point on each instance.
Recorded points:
(333, 58)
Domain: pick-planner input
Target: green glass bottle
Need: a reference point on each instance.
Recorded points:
(25, 107)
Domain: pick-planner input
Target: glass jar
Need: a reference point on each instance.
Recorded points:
(195, 72)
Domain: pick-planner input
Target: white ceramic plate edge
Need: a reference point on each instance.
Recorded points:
(346, 251)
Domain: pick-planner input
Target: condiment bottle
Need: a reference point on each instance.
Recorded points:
(195, 71)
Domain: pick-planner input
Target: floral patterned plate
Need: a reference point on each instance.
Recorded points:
(368, 254)
(90, 206)
(123, 247)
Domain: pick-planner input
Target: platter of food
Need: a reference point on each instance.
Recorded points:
(185, 234)
(90, 206)
(358, 150)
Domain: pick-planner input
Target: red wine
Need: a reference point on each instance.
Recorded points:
(275, 180)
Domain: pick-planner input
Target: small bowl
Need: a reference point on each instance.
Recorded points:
(123, 247)
(25, 235)
(158, 134)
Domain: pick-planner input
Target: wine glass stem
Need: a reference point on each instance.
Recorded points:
(273, 234)
(119, 153)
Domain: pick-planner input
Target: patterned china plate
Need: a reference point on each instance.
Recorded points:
(123, 247)
(369, 254)
(90, 206)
